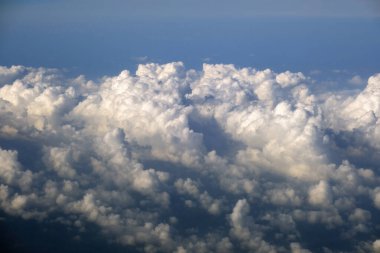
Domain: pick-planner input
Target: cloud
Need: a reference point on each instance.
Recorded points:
(240, 229)
(189, 187)
(356, 80)
(376, 246)
(320, 194)
(175, 160)
(296, 248)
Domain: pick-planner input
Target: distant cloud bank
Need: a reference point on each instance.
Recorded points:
(152, 157)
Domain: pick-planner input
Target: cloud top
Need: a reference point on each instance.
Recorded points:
(251, 157)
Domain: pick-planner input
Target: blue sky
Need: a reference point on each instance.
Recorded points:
(104, 37)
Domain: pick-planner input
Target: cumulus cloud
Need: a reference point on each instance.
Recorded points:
(356, 80)
(376, 246)
(175, 160)
(320, 194)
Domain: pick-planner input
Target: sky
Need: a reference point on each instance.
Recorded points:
(99, 38)
(190, 126)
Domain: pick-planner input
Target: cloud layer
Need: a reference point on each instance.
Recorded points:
(176, 160)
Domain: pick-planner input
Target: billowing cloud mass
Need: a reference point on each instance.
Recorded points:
(176, 160)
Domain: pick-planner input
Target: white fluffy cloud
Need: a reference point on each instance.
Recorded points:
(176, 160)
(320, 194)
(376, 246)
